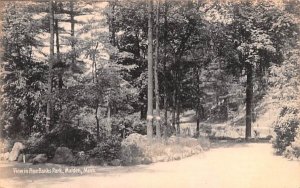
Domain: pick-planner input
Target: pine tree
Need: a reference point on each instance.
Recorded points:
(51, 58)
(150, 71)
(157, 96)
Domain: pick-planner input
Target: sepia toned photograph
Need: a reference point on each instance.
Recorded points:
(149, 94)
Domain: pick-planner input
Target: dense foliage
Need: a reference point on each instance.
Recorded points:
(107, 150)
(81, 68)
(67, 136)
(286, 129)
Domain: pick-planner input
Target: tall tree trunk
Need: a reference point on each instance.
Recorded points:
(150, 71)
(112, 28)
(165, 70)
(198, 122)
(60, 74)
(143, 109)
(29, 115)
(177, 99)
(157, 118)
(49, 103)
(249, 97)
(178, 115)
(108, 118)
(95, 81)
(94, 64)
(165, 125)
(57, 39)
(197, 73)
(97, 121)
(174, 111)
(72, 20)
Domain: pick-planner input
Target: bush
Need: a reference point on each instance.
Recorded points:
(136, 149)
(285, 129)
(131, 154)
(293, 151)
(107, 150)
(124, 126)
(66, 136)
(38, 144)
(131, 150)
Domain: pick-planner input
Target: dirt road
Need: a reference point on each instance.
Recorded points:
(237, 166)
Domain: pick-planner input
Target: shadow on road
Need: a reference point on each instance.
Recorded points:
(230, 142)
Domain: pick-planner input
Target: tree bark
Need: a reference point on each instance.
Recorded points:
(49, 103)
(29, 115)
(72, 20)
(150, 71)
(97, 121)
(174, 111)
(95, 64)
(143, 109)
(165, 70)
(198, 122)
(249, 97)
(60, 74)
(157, 102)
(165, 125)
(112, 29)
(108, 118)
(178, 116)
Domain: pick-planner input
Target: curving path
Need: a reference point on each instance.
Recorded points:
(238, 166)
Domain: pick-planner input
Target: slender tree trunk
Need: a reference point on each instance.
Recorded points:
(112, 23)
(49, 103)
(174, 111)
(57, 39)
(60, 74)
(197, 73)
(178, 116)
(165, 70)
(165, 116)
(249, 96)
(108, 118)
(198, 122)
(177, 99)
(95, 80)
(157, 102)
(150, 71)
(95, 65)
(72, 20)
(29, 115)
(97, 121)
(143, 109)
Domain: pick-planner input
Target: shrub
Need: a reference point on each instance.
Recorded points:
(293, 151)
(38, 144)
(285, 129)
(131, 150)
(107, 150)
(124, 126)
(131, 154)
(66, 136)
(136, 149)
